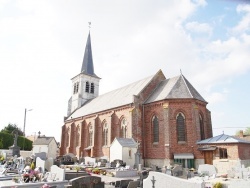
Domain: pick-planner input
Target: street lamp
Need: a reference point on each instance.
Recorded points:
(24, 124)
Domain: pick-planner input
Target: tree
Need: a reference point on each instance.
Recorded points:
(247, 131)
(10, 128)
(1, 143)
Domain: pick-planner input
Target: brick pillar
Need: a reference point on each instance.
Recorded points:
(196, 122)
(167, 134)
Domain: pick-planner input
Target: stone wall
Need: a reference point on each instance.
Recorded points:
(224, 165)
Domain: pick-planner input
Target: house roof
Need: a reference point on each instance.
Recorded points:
(126, 142)
(175, 88)
(113, 99)
(43, 140)
(221, 139)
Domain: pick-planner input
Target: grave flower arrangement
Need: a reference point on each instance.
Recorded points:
(26, 177)
(103, 172)
(89, 170)
(1, 158)
(31, 175)
(15, 179)
(96, 171)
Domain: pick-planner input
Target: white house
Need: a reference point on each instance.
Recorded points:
(45, 147)
(123, 149)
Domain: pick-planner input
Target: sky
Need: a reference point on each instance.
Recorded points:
(42, 45)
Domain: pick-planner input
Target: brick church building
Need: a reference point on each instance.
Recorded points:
(165, 116)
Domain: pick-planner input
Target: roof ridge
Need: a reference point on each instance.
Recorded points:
(183, 78)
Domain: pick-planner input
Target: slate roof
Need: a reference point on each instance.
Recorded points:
(175, 88)
(113, 99)
(87, 64)
(43, 140)
(127, 142)
(222, 139)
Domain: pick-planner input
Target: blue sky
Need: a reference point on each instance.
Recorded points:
(42, 45)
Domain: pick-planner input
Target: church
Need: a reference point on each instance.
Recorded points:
(166, 117)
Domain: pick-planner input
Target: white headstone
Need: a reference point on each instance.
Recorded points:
(60, 173)
(207, 169)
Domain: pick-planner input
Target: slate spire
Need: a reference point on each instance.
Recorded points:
(87, 64)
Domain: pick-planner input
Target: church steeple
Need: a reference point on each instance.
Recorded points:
(87, 64)
(85, 86)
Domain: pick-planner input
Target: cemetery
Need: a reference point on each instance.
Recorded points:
(37, 171)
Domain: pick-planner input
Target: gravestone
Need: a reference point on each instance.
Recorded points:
(59, 173)
(137, 159)
(86, 182)
(90, 161)
(169, 172)
(108, 165)
(143, 175)
(48, 163)
(42, 155)
(177, 171)
(207, 169)
(40, 163)
(124, 183)
(134, 184)
(15, 150)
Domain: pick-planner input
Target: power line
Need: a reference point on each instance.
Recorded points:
(229, 127)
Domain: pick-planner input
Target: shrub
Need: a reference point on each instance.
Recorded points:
(217, 185)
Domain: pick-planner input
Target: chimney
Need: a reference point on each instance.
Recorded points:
(241, 134)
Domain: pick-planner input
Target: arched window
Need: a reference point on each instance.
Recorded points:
(76, 87)
(181, 130)
(155, 124)
(124, 133)
(74, 90)
(90, 136)
(87, 87)
(202, 131)
(105, 134)
(92, 88)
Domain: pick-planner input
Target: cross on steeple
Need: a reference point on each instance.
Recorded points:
(89, 25)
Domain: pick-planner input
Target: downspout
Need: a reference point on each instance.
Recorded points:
(143, 122)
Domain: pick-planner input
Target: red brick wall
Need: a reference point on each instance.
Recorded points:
(140, 128)
(244, 151)
(151, 86)
(113, 119)
(191, 110)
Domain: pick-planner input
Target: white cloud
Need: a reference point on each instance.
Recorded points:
(216, 97)
(44, 44)
(244, 24)
(199, 27)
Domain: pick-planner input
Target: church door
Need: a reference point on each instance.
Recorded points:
(208, 155)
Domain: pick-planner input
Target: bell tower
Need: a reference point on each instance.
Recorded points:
(85, 86)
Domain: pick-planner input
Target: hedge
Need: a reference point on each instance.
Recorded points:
(8, 140)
